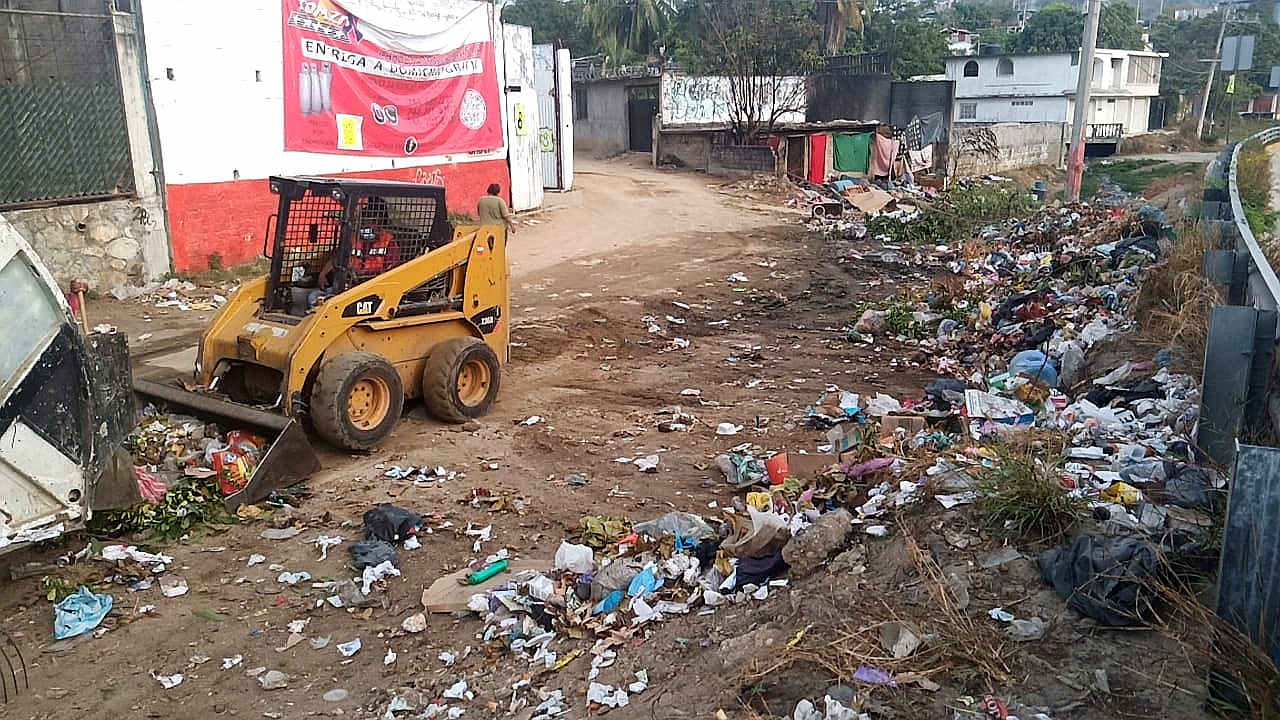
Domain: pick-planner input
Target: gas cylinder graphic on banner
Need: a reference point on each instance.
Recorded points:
(326, 88)
(317, 90)
(304, 89)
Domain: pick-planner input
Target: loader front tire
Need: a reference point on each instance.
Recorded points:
(356, 400)
(460, 380)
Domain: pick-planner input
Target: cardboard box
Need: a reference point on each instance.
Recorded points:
(911, 423)
(809, 466)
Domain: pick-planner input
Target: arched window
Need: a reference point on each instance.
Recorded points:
(1004, 67)
(971, 68)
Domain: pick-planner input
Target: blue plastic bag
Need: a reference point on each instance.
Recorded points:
(609, 603)
(644, 583)
(79, 613)
(1034, 364)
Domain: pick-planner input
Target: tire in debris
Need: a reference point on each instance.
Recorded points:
(356, 400)
(461, 379)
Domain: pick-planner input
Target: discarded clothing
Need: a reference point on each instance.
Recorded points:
(1103, 579)
(368, 553)
(852, 152)
(597, 530)
(80, 613)
(391, 524)
(760, 570)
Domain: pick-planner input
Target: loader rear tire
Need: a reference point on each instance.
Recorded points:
(356, 400)
(461, 379)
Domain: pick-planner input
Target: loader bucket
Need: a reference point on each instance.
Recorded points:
(290, 459)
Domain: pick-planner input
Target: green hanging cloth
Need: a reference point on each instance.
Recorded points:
(853, 152)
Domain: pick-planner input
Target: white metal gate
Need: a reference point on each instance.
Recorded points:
(552, 78)
(522, 119)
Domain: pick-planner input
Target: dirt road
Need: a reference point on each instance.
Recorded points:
(605, 282)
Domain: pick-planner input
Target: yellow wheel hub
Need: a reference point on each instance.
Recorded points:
(473, 382)
(368, 403)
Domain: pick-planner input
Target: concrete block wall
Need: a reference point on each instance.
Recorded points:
(742, 160)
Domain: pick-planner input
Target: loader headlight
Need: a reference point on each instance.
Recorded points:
(339, 195)
(275, 188)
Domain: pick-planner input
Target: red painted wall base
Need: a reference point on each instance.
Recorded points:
(229, 219)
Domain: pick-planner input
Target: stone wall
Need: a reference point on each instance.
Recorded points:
(101, 243)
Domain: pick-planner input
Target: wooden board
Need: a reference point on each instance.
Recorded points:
(447, 595)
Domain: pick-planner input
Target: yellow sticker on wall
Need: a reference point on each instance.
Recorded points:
(350, 134)
(522, 124)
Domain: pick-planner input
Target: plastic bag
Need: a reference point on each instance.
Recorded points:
(391, 524)
(370, 553)
(1034, 364)
(763, 534)
(233, 470)
(677, 523)
(151, 488)
(578, 559)
(79, 613)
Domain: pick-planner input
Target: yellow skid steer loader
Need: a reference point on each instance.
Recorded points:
(373, 297)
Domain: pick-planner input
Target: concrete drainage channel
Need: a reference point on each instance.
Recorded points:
(1241, 408)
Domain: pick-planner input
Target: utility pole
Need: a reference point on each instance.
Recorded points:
(1213, 70)
(1084, 78)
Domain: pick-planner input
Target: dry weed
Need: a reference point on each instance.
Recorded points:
(1243, 679)
(962, 647)
(1174, 300)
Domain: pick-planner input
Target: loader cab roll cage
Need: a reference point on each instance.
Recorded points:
(331, 234)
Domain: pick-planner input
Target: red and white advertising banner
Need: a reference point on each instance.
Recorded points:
(390, 78)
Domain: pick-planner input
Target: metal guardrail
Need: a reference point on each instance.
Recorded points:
(1239, 405)
(1263, 285)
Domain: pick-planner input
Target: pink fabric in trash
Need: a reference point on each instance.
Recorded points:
(884, 153)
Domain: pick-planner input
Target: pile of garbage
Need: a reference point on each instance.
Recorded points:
(173, 293)
(634, 577)
(169, 448)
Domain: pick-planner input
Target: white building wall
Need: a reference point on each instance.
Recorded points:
(1040, 88)
(1004, 110)
(1037, 75)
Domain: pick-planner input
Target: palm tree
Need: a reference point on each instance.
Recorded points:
(628, 27)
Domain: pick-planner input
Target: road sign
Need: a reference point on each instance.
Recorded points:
(1237, 53)
(1275, 77)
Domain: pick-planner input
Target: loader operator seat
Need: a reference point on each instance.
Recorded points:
(374, 250)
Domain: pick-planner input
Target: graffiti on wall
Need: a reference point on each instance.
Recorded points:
(687, 100)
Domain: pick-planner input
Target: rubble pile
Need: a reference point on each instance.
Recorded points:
(173, 293)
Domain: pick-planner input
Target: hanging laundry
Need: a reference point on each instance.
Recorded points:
(886, 152)
(817, 158)
(853, 152)
(921, 159)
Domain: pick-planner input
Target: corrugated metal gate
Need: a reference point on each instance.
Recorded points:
(64, 137)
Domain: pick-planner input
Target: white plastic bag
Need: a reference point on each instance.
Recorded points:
(579, 559)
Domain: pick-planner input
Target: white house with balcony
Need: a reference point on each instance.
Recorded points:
(1041, 88)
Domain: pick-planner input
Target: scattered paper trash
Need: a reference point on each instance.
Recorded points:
(349, 648)
(168, 682)
(647, 464)
(273, 680)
